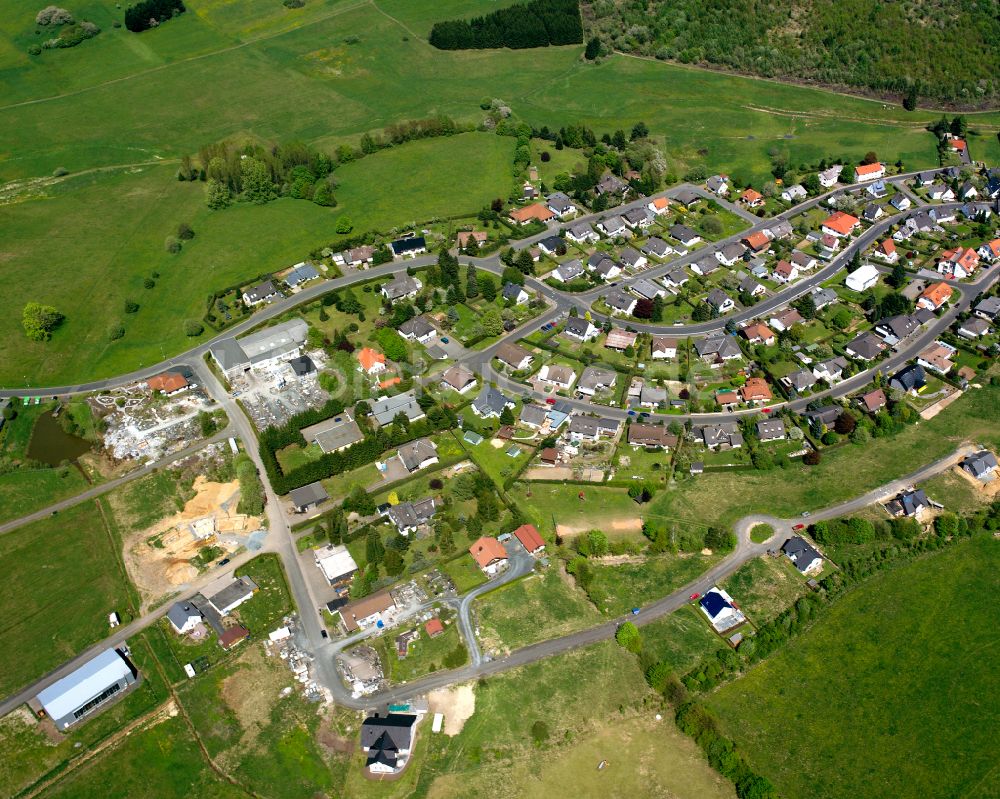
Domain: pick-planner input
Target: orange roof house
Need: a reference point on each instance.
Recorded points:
(528, 535)
(434, 627)
(959, 262)
(371, 360)
(933, 297)
(840, 224)
(756, 389)
(887, 249)
(757, 241)
(232, 636)
(389, 382)
(725, 398)
(991, 250)
(869, 171)
(168, 383)
(489, 554)
(752, 198)
(479, 236)
(659, 205)
(958, 145)
(758, 333)
(529, 213)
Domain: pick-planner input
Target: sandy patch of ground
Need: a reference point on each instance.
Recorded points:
(563, 473)
(252, 691)
(160, 559)
(631, 525)
(618, 560)
(989, 489)
(457, 704)
(933, 410)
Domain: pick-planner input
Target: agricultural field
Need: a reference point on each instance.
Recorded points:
(902, 713)
(541, 606)
(209, 74)
(69, 560)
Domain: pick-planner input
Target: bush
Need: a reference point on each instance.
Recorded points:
(148, 283)
(131, 306)
(539, 732)
(535, 24)
(192, 328)
(293, 3)
(116, 331)
(185, 232)
(251, 488)
(53, 15)
(35, 49)
(150, 13)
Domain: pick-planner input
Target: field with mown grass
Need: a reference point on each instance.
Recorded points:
(323, 74)
(907, 710)
(64, 561)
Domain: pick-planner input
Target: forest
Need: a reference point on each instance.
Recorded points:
(928, 50)
(535, 24)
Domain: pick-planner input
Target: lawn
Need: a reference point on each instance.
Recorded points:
(552, 504)
(272, 602)
(765, 586)
(884, 696)
(618, 588)
(681, 639)
(424, 655)
(844, 472)
(140, 102)
(464, 572)
(65, 561)
(538, 607)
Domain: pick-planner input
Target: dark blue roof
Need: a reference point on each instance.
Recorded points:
(408, 245)
(714, 603)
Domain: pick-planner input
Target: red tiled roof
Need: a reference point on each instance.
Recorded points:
(841, 223)
(888, 246)
(167, 382)
(757, 241)
(434, 627)
(233, 636)
(486, 550)
(528, 535)
(868, 169)
(938, 294)
(368, 357)
(756, 388)
(529, 212)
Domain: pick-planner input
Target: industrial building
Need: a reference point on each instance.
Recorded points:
(82, 692)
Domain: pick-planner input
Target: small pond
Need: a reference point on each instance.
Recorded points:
(52, 445)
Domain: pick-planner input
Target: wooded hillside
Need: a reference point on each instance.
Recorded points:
(949, 50)
(535, 24)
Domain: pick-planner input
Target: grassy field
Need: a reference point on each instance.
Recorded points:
(140, 102)
(66, 561)
(264, 612)
(551, 504)
(464, 572)
(620, 587)
(765, 586)
(902, 714)
(424, 656)
(533, 609)
(845, 472)
(681, 639)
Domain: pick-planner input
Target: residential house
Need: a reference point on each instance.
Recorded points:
(800, 381)
(561, 377)
(620, 302)
(568, 271)
(168, 383)
(307, 496)
(688, 197)
(417, 329)
(758, 333)
(647, 289)
(900, 201)
(650, 435)
(240, 590)
(408, 517)
(184, 617)
(988, 309)
(828, 177)
(718, 606)
(385, 409)
(865, 347)
(533, 416)
(942, 192)
(402, 287)
(718, 185)
(831, 371)
(908, 503)
(755, 391)
(872, 213)
(684, 235)
(658, 205)
(780, 229)
(794, 193)
(974, 327)
(663, 347)
(715, 350)
(910, 379)
(785, 319)
(873, 401)
(720, 301)
(302, 366)
(336, 564)
(826, 416)
(582, 233)
(465, 236)
(805, 557)
(651, 396)
(611, 184)
(408, 246)
(299, 274)
(895, 329)
(728, 400)
(552, 245)
(750, 286)
(981, 465)
(886, 251)
(638, 218)
(619, 339)
(936, 357)
(490, 403)
(725, 435)
(372, 362)
(632, 258)
(417, 455)
(612, 226)
(705, 265)
(877, 189)
(771, 430)
(387, 741)
(803, 261)
(824, 297)
(990, 251)
(657, 247)
(560, 205)
(676, 277)
(785, 272)
(758, 241)
(752, 198)
(514, 357)
(958, 263)
(868, 172)
(458, 378)
(516, 294)
(968, 191)
(536, 212)
(840, 224)
(862, 278)
(935, 296)
(731, 254)
(530, 538)
(581, 329)
(262, 292)
(606, 268)
(594, 380)
(828, 246)
(590, 428)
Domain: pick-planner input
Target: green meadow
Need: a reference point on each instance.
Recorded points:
(118, 110)
(906, 710)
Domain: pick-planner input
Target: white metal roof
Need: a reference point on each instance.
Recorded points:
(76, 689)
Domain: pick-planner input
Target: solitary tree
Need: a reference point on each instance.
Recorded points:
(628, 637)
(40, 320)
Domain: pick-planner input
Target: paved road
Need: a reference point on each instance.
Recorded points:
(111, 485)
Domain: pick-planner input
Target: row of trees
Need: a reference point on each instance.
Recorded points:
(535, 24)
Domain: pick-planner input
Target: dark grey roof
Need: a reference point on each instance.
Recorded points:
(312, 494)
(683, 233)
(181, 612)
(511, 291)
(577, 325)
(302, 365)
(552, 243)
(301, 274)
(418, 327)
(262, 291)
(384, 409)
(656, 246)
(619, 300)
(800, 552)
(980, 464)
(866, 346)
(770, 429)
(383, 737)
(414, 453)
(717, 298)
(490, 402)
(412, 244)
(909, 378)
(407, 515)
